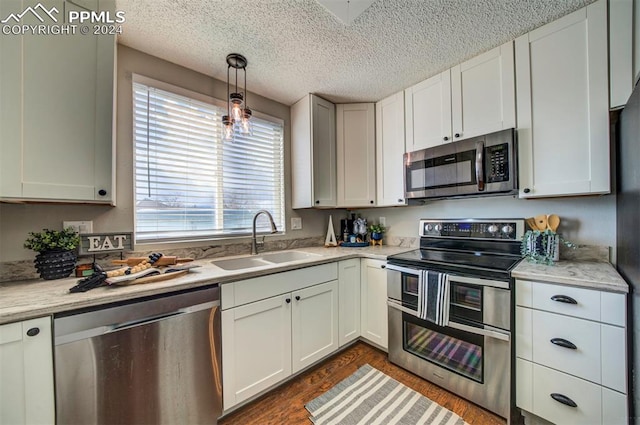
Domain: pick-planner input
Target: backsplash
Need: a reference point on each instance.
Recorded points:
(25, 270)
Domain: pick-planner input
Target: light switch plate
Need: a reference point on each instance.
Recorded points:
(79, 226)
(382, 221)
(296, 223)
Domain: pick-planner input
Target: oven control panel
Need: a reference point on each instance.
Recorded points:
(502, 229)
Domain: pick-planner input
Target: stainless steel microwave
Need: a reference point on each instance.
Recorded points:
(483, 165)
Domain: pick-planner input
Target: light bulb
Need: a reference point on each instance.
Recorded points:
(227, 129)
(236, 106)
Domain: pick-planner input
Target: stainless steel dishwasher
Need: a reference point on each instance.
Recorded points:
(154, 361)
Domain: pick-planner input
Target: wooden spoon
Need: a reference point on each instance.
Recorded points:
(541, 222)
(553, 221)
(531, 223)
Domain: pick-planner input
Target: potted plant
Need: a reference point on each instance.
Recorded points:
(56, 252)
(377, 231)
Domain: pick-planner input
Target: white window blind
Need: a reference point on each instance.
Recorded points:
(191, 185)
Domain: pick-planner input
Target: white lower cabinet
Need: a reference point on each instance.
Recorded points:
(314, 324)
(26, 373)
(265, 340)
(373, 309)
(348, 300)
(571, 354)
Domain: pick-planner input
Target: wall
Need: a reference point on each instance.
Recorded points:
(589, 220)
(18, 219)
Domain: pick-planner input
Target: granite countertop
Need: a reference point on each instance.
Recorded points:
(598, 275)
(22, 300)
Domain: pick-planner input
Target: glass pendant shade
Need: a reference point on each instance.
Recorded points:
(227, 129)
(236, 106)
(246, 128)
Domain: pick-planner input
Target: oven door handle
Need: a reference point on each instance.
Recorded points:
(491, 333)
(405, 270)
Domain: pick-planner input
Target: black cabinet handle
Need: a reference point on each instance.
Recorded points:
(564, 299)
(526, 190)
(563, 343)
(445, 138)
(288, 300)
(297, 297)
(102, 192)
(33, 331)
(457, 135)
(563, 399)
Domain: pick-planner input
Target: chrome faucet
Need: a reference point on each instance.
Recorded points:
(254, 243)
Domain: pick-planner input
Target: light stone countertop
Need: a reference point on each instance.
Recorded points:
(21, 300)
(584, 274)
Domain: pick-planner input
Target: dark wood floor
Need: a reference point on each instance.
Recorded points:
(285, 404)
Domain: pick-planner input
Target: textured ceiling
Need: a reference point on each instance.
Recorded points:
(296, 47)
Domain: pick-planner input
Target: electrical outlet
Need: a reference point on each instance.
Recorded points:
(296, 223)
(382, 221)
(79, 226)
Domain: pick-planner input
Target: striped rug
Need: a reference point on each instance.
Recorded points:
(371, 397)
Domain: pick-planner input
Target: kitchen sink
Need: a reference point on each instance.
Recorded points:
(268, 259)
(241, 263)
(286, 256)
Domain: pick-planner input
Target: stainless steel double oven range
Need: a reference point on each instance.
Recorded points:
(472, 354)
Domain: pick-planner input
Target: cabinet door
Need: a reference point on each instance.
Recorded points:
(620, 51)
(323, 139)
(26, 373)
(256, 348)
(390, 149)
(57, 116)
(314, 324)
(562, 106)
(428, 112)
(349, 300)
(356, 173)
(483, 93)
(373, 319)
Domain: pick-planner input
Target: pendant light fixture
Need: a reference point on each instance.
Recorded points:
(238, 118)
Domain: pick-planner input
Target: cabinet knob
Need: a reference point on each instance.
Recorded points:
(288, 300)
(297, 297)
(526, 190)
(383, 266)
(33, 331)
(457, 135)
(400, 200)
(371, 202)
(317, 202)
(102, 192)
(445, 138)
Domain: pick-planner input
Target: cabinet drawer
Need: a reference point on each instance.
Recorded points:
(567, 300)
(259, 288)
(584, 361)
(586, 395)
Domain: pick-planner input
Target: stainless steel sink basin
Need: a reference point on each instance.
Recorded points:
(241, 263)
(286, 256)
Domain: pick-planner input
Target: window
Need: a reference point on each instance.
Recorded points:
(188, 183)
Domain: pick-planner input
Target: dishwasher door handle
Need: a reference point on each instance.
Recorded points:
(158, 318)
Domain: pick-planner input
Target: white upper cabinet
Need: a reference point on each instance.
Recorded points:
(356, 155)
(56, 112)
(562, 104)
(474, 98)
(428, 112)
(390, 150)
(621, 45)
(313, 153)
(483, 93)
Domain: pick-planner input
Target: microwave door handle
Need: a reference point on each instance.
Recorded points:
(480, 165)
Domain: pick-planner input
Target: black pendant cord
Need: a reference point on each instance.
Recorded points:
(228, 110)
(246, 104)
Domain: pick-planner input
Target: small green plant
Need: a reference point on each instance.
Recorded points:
(377, 228)
(539, 247)
(52, 240)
